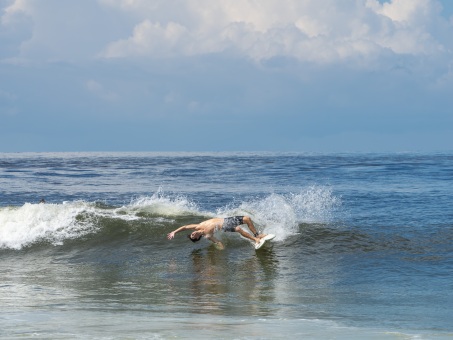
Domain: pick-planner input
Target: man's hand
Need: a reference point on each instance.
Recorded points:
(219, 245)
(171, 235)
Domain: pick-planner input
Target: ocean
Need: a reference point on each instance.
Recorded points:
(364, 246)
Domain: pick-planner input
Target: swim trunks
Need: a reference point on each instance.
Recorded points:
(229, 223)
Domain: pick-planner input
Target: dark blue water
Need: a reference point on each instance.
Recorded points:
(363, 246)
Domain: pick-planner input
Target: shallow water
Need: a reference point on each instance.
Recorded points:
(363, 246)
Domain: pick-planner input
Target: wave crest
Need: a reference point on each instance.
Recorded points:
(31, 223)
(280, 214)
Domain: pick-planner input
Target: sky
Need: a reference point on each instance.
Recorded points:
(226, 75)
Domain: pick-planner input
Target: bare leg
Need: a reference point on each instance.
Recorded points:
(246, 234)
(247, 220)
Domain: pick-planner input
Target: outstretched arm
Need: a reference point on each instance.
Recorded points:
(184, 227)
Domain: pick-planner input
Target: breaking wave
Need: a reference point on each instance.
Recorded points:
(55, 223)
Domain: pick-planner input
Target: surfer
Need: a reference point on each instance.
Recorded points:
(230, 224)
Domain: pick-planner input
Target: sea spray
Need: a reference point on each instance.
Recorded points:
(54, 223)
(315, 204)
(281, 214)
(31, 223)
(163, 204)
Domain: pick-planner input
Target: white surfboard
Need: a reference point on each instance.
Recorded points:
(263, 240)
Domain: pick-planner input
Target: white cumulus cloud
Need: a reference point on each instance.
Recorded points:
(309, 30)
(321, 31)
(149, 38)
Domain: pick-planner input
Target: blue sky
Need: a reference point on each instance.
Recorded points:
(226, 75)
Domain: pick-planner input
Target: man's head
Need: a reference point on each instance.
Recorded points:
(195, 236)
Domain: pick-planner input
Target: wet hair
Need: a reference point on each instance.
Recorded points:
(194, 239)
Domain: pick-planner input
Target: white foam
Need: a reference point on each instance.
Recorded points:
(281, 214)
(30, 223)
(164, 205)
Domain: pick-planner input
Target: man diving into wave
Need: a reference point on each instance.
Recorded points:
(230, 224)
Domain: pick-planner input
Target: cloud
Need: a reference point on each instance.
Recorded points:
(291, 69)
(151, 38)
(98, 90)
(416, 27)
(409, 12)
(54, 30)
(15, 27)
(308, 30)
(323, 32)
